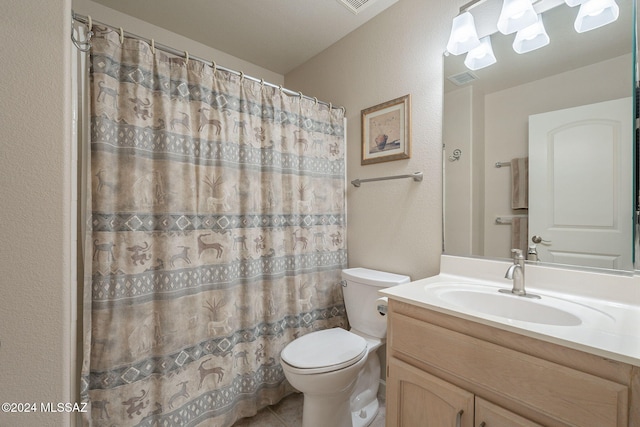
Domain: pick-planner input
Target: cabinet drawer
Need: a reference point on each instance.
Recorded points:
(562, 393)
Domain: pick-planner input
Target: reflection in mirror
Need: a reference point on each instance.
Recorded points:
(538, 147)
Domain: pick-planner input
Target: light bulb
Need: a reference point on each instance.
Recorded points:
(531, 38)
(595, 14)
(482, 56)
(464, 36)
(516, 15)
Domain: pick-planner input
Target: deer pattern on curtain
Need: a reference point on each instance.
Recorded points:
(217, 236)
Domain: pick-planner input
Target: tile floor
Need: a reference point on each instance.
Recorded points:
(288, 413)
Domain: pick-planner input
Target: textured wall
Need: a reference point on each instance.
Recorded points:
(393, 225)
(35, 225)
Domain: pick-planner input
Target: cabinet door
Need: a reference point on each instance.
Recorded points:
(415, 398)
(490, 415)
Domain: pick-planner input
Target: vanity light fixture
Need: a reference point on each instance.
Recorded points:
(519, 16)
(464, 36)
(531, 38)
(482, 56)
(516, 15)
(595, 14)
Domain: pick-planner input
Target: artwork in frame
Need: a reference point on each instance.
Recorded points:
(386, 131)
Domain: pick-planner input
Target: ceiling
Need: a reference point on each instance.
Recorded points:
(278, 35)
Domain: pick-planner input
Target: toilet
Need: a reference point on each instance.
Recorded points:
(338, 371)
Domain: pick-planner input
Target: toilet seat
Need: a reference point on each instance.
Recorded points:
(324, 351)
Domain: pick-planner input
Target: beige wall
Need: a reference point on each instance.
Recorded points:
(393, 225)
(35, 255)
(457, 134)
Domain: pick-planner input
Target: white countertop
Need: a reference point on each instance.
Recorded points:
(614, 335)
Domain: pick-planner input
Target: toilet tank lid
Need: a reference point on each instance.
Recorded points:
(367, 276)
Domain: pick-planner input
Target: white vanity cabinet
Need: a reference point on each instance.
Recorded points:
(447, 371)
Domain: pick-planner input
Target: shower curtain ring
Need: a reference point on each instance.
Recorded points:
(121, 35)
(90, 23)
(84, 46)
(186, 57)
(215, 67)
(153, 46)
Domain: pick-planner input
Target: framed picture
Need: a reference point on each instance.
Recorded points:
(386, 131)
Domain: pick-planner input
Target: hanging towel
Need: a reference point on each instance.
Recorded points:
(520, 183)
(520, 233)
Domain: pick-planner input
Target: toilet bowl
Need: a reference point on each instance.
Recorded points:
(324, 366)
(338, 371)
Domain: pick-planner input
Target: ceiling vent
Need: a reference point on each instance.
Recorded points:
(356, 6)
(463, 78)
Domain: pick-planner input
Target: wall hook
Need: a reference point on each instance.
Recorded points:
(456, 155)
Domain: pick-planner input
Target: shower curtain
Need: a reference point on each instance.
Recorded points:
(216, 236)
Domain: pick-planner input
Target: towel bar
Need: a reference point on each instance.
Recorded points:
(417, 176)
(507, 219)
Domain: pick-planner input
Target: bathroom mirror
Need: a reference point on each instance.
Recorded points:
(580, 185)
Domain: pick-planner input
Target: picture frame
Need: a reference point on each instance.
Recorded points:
(386, 131)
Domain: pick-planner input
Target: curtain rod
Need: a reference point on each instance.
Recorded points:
(183, 53)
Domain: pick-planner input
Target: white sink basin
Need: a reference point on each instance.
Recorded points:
(487, 300)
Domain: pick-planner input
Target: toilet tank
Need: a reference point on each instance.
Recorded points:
(360, 292)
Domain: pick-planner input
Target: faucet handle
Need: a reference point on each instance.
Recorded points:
(517, 254)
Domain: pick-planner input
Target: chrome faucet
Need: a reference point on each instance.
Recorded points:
(516, 272)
